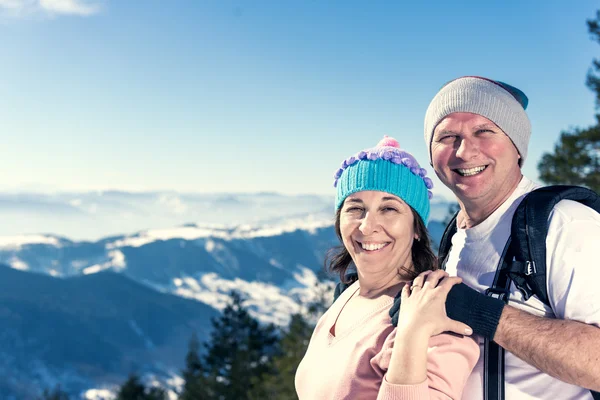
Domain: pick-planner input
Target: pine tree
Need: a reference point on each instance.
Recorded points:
(576, 157)
(292, 347)
(593, 79)
(134, 389)
(239, 352)
(195, 387)
(56, 394)
(575, 161)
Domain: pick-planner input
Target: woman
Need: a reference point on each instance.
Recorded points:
(382, 206)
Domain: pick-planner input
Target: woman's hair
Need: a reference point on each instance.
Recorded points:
(338, 259)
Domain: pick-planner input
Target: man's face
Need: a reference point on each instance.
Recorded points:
(475, 159)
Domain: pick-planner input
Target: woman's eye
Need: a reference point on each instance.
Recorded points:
(388, 209)
(353, 209)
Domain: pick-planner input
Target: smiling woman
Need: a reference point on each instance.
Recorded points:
(382, 206)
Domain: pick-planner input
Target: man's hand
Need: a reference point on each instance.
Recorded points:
(465, 305)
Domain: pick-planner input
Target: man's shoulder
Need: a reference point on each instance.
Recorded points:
(569, 210)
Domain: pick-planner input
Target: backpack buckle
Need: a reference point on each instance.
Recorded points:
(530, 268)
(498, 293)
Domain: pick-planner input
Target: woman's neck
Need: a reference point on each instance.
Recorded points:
(373, 286)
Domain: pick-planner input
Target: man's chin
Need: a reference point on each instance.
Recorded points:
(468, 193)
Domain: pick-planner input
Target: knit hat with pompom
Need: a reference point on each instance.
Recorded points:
(385, 168)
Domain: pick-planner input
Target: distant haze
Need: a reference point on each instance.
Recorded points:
(95, 215)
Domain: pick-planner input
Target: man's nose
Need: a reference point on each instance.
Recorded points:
(467, 149)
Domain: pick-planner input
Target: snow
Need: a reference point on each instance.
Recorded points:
(116, 262)
(138, 331)
(19, 264)
(99, 394)
(200, 232)
(265, 302)
(17, 241)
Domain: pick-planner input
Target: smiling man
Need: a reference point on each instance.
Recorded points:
(477, 133)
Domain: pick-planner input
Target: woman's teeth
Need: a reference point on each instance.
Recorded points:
(372, 246)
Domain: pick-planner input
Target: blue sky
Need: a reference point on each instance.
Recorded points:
(250, 96)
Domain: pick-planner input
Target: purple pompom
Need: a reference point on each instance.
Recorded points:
(387, 154)
(429, 194)
(335, 183)
(362, 155)
(422, 172)
(338, 173)
(352, 160)
(396, 160)
(408, 162)
(372, 156)
(428, 183)
(415, 170)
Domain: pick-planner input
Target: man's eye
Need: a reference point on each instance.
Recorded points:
(447, 139)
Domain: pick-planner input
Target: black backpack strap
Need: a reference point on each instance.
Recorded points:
(446, 242)
(529, 231)
(493, 355)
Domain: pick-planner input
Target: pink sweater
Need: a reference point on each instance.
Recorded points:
(353, 363)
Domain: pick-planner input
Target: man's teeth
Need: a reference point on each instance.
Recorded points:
(372, 246)
(470, 171)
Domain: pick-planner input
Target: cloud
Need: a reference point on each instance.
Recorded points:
(53, 7)
(77, 7)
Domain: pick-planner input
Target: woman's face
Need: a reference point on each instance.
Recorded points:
(378, 231)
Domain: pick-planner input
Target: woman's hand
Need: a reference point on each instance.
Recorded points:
(423, 305)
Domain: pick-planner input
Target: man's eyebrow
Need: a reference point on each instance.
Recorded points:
(445, 132)
(485, 126)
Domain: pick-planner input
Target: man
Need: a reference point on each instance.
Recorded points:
(477, 133)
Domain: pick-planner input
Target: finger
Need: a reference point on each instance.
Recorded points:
(415, 287)
(446, 284)
(405, 292)
(434, 277)
(459, 327)
(419, 280)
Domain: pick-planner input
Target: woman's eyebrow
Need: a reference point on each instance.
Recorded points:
(391, 198)
(354, 200)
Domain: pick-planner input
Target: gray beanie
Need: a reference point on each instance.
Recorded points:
(499, 102)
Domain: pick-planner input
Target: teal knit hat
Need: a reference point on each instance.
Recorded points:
(385, 168)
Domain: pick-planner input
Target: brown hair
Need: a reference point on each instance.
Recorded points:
(338, 259)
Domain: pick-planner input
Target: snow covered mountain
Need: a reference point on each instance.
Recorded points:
(113, 295)
(129, 297)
